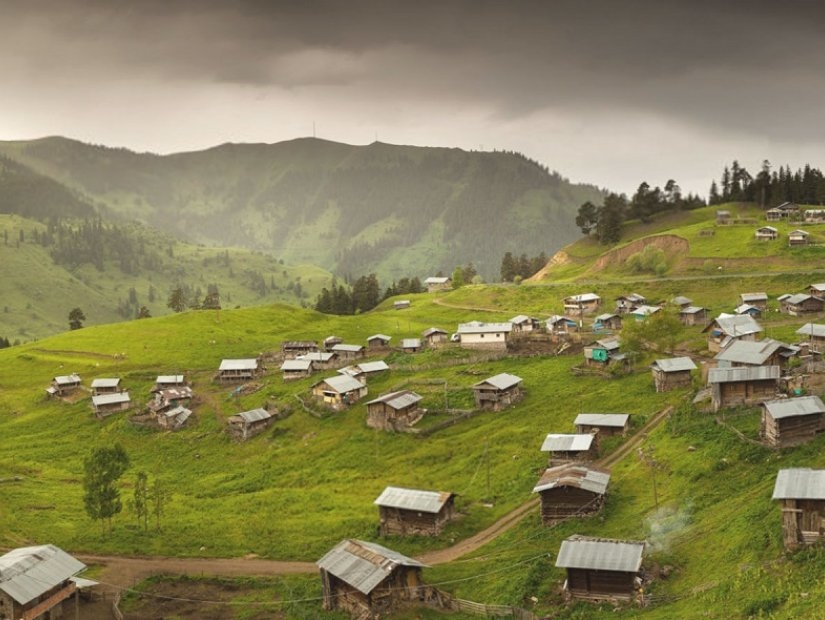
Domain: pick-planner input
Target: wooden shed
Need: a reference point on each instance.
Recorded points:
(579, 305)
(801, 493)
(105, 385)
(497, 392)
(367, 580)
(349, 352)
(606, 424)
(63, 385)
(378, 342)
(339, 391)
(672, 373)
(524, 324)
(742, 386)
(814, 335)
(410, 512)
(681, 301)
(434, 337)
(394, 411)
(567, 447)
(628, 303)
(599, 569)
(438, 283)
(175, 418)
(331, 341)
(758, 300)
(791, 422)
(296, 369)
(106, 404)
(557, 324)
(232, 370)
(693, 315)
(607, 320)
(798, 237)
(34, 582)
(411, 345)
(766, 233)
(767, 352)
(802, 303)
(603, 352)
(247, 424)
(321, 360)
(169, 398)
(293, 348)
(163, 382)
(817, 289)
(571, 490)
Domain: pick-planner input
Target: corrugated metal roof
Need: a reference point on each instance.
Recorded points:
(633, 297)
(179, 414)
(645, 310)
(502, 381)
(581, 298)
(411, 343)
(792, 407)
(692, 310)
(253, 415)
(363, 565)
(169, 379)
(316, 356)
(812, 329)
(398, 400)
(745, 297)
(617, 420)
(437, 280)
(110, 399)
(736, 325)
(798, 298)
(681, 300)
(674, 364)
(746, 308)
(382, 337)
(745, 373)
(572, 475)
(368, 367)
(476, 327)
(818, 287)
(348, 348)
(296, 365)
(412, 499)
(799, 483)
(29, 572)
(239, 364)
(107, 382)
(67, 379)
(557, 318)
(605, 317)
(599, 554)
(559, 442)
(432, 331)
(521, 318)
(749, 352)
(343, 383)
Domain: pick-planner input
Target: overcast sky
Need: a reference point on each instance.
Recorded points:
(610, 92)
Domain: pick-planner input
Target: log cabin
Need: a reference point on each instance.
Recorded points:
(693, 315)
(498, 392)
(672, 374)
(106, 404)
(758, 300)
(293, 348)
(801, 493)
(294, 369)
(599, 569)
(802, 303)
(247, 424)
(238, 370)
(378, 342)
(63, 385)
(607, 424)
(434, 337)
(339, 391)
(394, 411)
(410, 512)
(571, 490)
(791, 422)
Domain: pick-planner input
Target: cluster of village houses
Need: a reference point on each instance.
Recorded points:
(786, 211)
(367, 579)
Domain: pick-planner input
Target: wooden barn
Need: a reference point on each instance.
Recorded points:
(817, 289)
(411, 345)
(173, 419)
(63, 385)
(321, 360)
(339, 391)
(34, 582)
(802, 303)
(672, 373)
(378, 342)
(743, 386)
(606, 424)
(729, 327)
(498, 392)
(478, 335)
(566, 447)
(791, 422)
(293, 348)
(296, 369)
(693, 315)
(438, 283)
(758, 300)
(801, 492)
(409, 512)
(367, 580)
(766, 233)
(607, 321)
(767, 352)
(798, 237)
(232, 370)
(599, 569)
(571, 490)
(394, 411)
(163, 382)
(814, 335)
(247, 424)
(105, 385)
(434, 337)
(349, 352)
(579, 305)
(106, 404)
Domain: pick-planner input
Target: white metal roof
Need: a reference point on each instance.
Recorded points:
(253, 415)
(798, 298)
(792, 407)
(411, 343)
(583, 298)
(812, 329)
(437, 280)
(411, 499)
(316, 356)
(343, 383)
(368, 367)
(645, 310)
(746, 297)
(750, 352)
(477, 327)
(519, 319)
(799, 483)
(573, 475)
(363, 565)
(179, 414)
(29, 572)
(681, 300)
(110, 399)
(743, 308)
(596, 554)
(67, 379)
(692, 310)
(348, 348)
(239, 364)
(560, 442)
(675, 364)
(296, 365)
(736, 325)
(612, 420)
(173, 379)
(382, 337)
(107, 382)
(502, 381)
(430, 331)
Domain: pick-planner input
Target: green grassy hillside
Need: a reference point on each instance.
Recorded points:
(394, 210)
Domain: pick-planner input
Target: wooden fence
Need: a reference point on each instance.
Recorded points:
(488, 611)
(116, 607)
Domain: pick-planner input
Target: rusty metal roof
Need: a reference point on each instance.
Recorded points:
(29, 572)
(363, 565)
(600, 554)
(574, 475)
(799, 483)
(792, 407)
(412, 499)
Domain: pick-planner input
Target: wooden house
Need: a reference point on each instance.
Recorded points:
(571, 490)
(294, 348)
(599, 569)
(293, 369)
(394, 411)
(247, 424)
(786, 210)
(603, 352)
(106, 404)
(773, 215)
(368, 581)
(792, 421)
(349, 352)
(524, 324)
(607, 321)
(401, 304)
(566, 447)
(438, 283)
(757, 300)
(434, 337)
(365, 370)
(35, 582)
(748, 309)
(605, 424)
(339, 391)
(817, 289)
(321, 360)
(478, 335)
(105, 385)
(498, 392)
(726, 328)
(169, 398)
(814, 335)
(814, 216)
(672, 373)
(628, 303)
(331, 341)
(767, 352)
(63, 385)
(163, 382)
(743, 386)
(409, 512)
(640, 313)
(801, 493)
(175, 418)
(557, 324)
(802, 303)
(232, 370)
(798, 237)
(411, 345)
(681, 301)
(723, 217)
(693, 315)
(579, 305)
(378, 342)
(766, 233)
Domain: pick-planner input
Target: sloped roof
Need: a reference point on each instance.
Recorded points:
(558, 318)
(674, 364)
(798, 233)
(29, 572)
(519, 319)
(410, 343)
(574, 475)
(169, 379)
(477, 327)
(746, 297)
(368, 367)
(398, 400)
(559, 442)
(612, 420)
(502, 381)
(343, 383)
(746, 308)
(239, 364)
(692, 310)
(179, 414)
(296, 365)
(744, 373)
(105, 382)
(600, 554)
(348, 348)
(798, 298)
(316, 356)
(437, 280)
(67, 379)
(818, 286)
(750, 352)
(430, 331)
(411, 499)
(645, 310)
(812, 329)
(363, 565)
(792, 407)
(581, 298)
(735, 325)
(253, 415)
(799, 483)
(681, 300)
(110, 399)
(382, 337)
(606, 316)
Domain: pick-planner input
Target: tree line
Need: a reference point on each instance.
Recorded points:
(768, 186)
